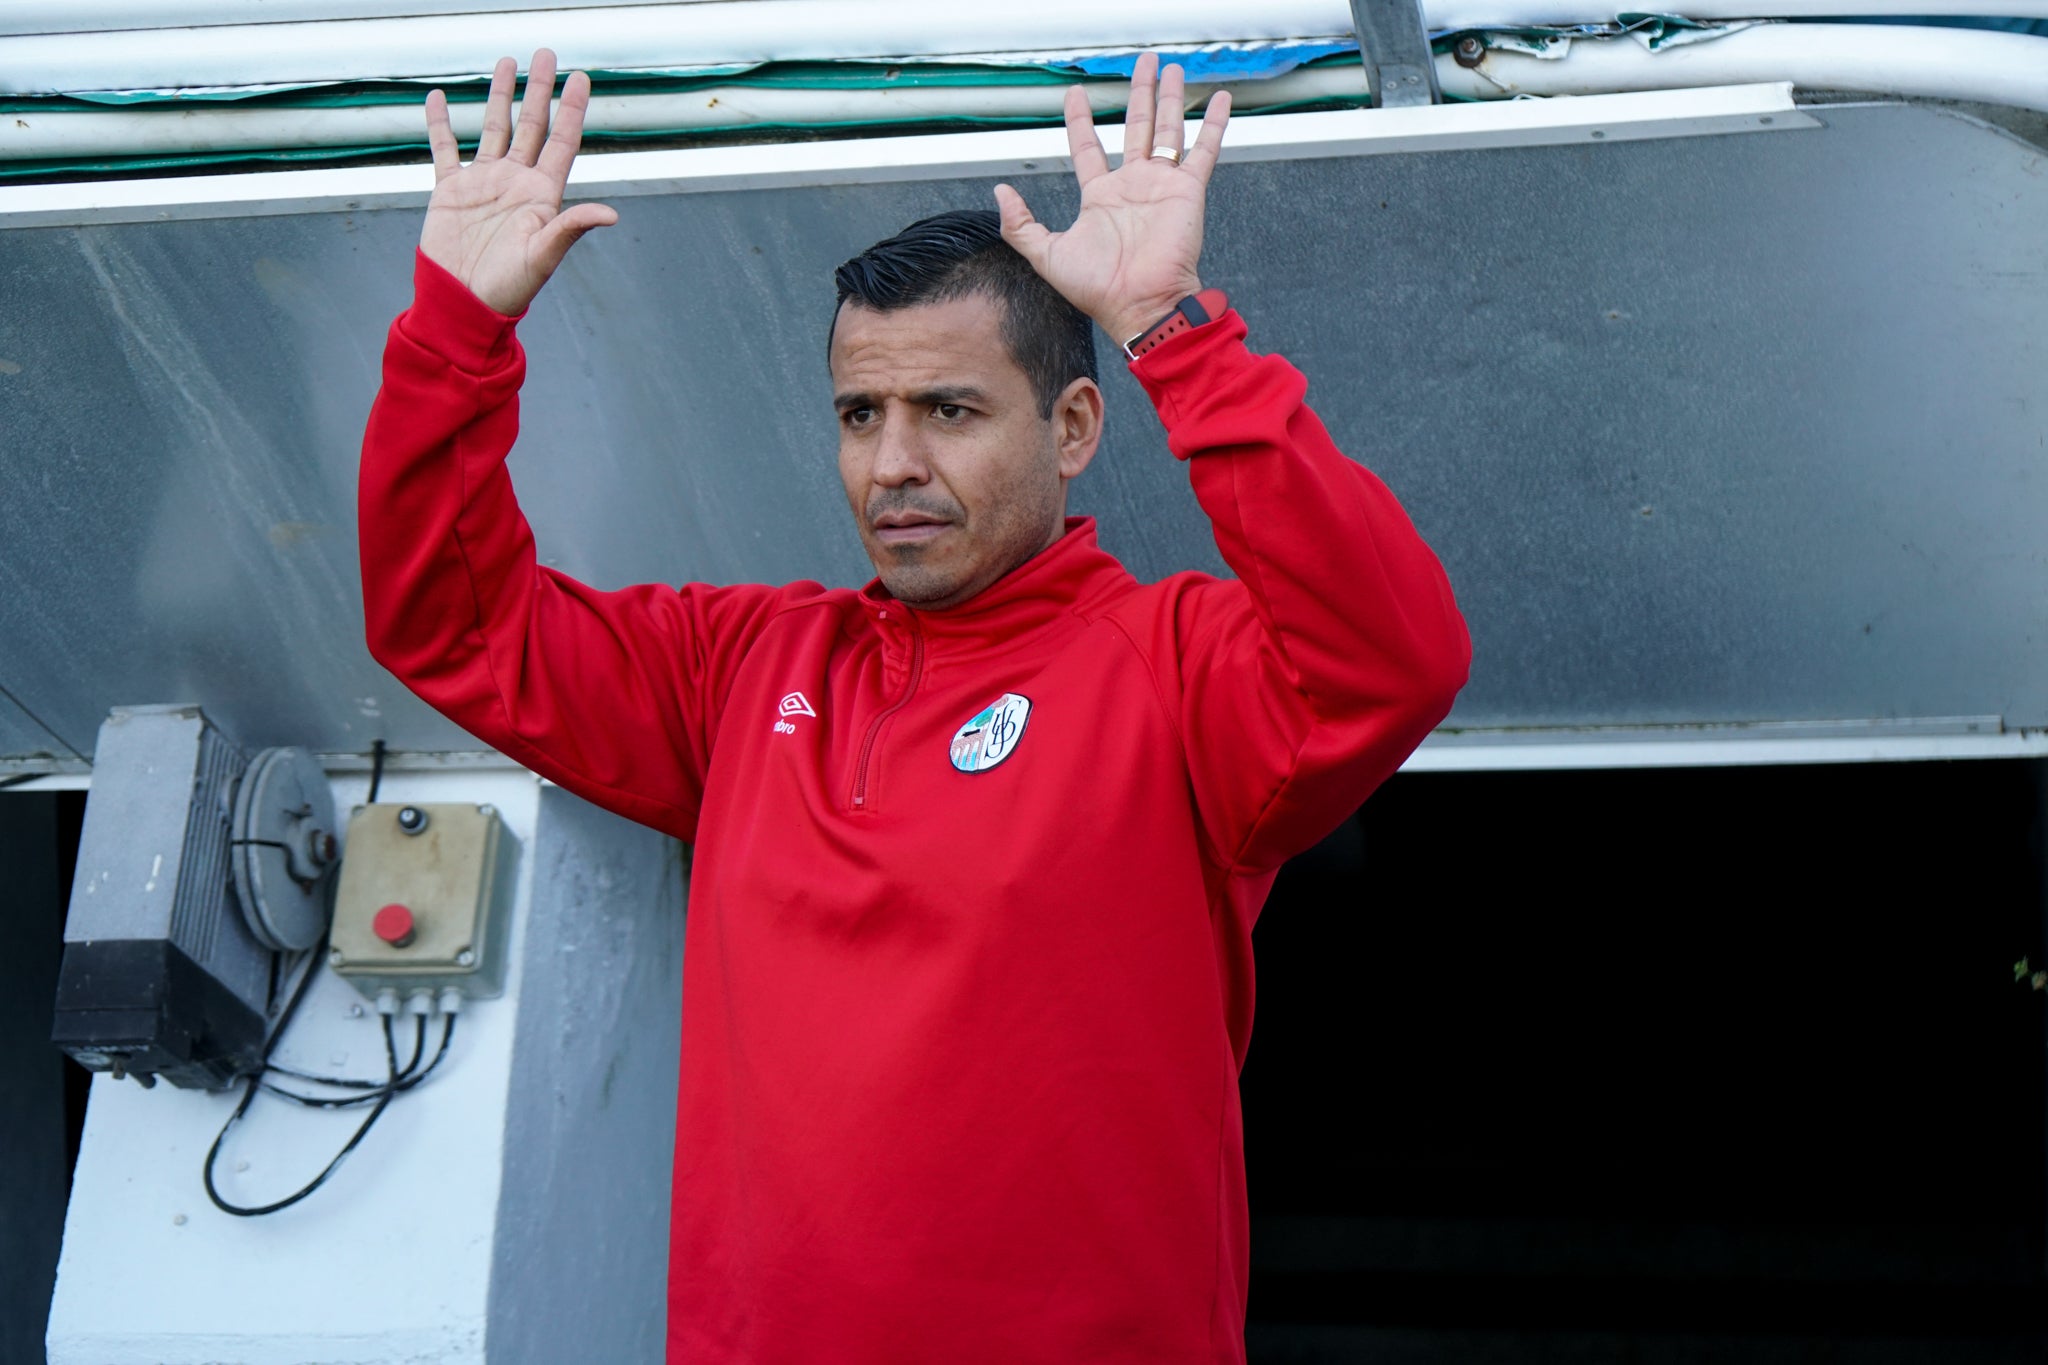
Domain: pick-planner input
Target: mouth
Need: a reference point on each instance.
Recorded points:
(908, 528)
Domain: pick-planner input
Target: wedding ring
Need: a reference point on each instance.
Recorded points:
(1165, 153)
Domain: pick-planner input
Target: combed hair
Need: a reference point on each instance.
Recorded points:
(962, 253)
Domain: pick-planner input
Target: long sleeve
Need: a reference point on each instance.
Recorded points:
(614, 695)
(1303, 685)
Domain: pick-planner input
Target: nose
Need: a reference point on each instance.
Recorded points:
(899, 449)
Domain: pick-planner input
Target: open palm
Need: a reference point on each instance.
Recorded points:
(498, 224)
(1133, 249)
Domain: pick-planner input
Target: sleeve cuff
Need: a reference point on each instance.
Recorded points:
(455, 324)
(1182, 370)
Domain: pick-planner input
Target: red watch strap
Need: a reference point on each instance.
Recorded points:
(1190, 313)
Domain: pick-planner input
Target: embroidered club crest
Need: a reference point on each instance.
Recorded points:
(993, 735)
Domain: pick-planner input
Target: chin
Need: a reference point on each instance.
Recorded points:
(919, 589)
(911, 574)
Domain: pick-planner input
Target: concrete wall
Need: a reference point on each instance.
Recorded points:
(462, 1229)
(580, 1267)
(32, 1157)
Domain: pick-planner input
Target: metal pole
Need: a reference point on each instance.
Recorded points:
(1395, 46)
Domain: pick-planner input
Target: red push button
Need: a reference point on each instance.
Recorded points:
(394, 925)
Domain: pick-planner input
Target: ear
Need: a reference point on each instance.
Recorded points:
(1077, 426)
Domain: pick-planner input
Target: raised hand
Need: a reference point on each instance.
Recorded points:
(498, 224)
(1132, 252)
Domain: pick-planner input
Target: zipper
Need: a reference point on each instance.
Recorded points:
(867, 746)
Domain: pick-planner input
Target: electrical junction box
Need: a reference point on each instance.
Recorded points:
(425, 900)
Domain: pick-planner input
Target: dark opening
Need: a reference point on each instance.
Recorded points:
(1666, 1065)
(42, 1092)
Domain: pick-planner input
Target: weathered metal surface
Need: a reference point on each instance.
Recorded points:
(25, 745)
(1393, 40)
(1734, 428)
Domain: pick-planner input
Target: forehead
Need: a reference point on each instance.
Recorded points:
(929, 345)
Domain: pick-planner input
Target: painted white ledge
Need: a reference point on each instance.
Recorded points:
(389, 1261)
(1753, 108)
(69, 776)
(512, 1209)
(1719, 746)
(1672, 746)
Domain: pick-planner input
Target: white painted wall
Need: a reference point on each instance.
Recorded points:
(393, 1260)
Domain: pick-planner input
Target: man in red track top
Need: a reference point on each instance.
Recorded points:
(978, 847)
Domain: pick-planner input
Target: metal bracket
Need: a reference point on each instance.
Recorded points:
(1395, 45)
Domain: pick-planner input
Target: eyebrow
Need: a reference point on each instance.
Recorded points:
(924, 398)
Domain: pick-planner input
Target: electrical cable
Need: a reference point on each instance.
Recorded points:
(404, 1082)
(382, 1098)
(379, 1094)
(419, 1048)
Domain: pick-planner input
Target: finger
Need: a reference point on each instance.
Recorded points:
(1138, 117)
(441, 137)
(497, 133)
(1209, 142)
(533, 110)
(1082, 144)
(1031, 239)
(1170, 127)
(565, 139)
(552, 243)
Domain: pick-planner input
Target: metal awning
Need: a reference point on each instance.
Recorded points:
(1741, 427)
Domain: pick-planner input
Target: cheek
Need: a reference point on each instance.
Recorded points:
(853, 474)
(1021, 482)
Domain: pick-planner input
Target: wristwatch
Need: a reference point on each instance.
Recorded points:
(1190, 313)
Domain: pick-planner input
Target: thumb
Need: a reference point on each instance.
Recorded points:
(1030, 238)
(554, 240)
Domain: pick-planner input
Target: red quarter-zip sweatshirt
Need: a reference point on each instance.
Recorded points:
(960, 1047)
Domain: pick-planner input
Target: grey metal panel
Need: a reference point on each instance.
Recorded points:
(1727, 428)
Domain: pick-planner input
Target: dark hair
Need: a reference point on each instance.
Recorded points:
(957, 254)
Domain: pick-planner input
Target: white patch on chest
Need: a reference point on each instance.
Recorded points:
(993, 735)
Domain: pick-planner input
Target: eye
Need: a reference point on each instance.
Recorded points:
(949, 412)
(857, 417)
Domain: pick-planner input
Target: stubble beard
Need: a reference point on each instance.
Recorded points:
(1022, 526)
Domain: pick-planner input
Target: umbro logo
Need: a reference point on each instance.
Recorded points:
(795, 704)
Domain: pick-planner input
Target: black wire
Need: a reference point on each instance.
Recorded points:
(447, 1036)
(394, 1082)
(383, 1099)
(404, 1084)
(419, 1049)
(314, 955)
